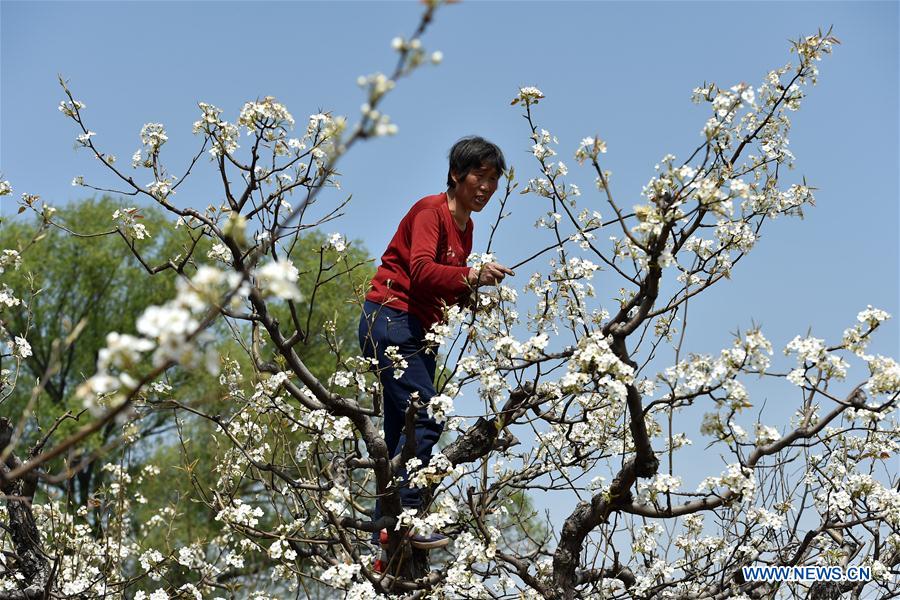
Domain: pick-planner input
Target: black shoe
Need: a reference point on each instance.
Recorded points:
(422, 542)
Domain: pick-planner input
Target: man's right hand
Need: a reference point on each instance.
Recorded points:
(489, 274)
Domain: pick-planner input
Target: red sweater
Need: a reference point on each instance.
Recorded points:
(424, 266)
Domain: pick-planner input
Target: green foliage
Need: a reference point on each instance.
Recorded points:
(83, 277)
(333, 286)
(67, 279)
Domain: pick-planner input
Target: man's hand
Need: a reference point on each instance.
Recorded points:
(489, 274)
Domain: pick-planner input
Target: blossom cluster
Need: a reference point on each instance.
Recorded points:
(127, 220)
(172, 331)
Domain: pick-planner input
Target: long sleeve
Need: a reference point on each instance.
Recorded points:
(426, 272)
(424, 265)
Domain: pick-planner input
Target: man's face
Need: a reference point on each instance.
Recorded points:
(475, 190)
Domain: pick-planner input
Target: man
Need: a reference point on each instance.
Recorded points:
(423, 269)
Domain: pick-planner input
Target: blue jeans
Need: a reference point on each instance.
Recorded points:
(379, 327)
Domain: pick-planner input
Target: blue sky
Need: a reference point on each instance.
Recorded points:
(624, 71)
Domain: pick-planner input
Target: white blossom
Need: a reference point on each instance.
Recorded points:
(153, 135)
(127, 219)
(19, 347)
(337, 242)
(279, 279)
(340, 575)
(528, 95)
(440, 407)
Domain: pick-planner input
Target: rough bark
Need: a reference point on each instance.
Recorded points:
(405, 563)
(29, 560)
(585, 517)
(484, 436)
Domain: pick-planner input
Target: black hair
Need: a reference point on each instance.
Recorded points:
(472, 152)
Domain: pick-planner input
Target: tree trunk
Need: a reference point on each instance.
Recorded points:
(29, 559)
(404, 563)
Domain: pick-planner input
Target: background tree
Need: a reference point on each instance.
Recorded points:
(82, 286)
(191, 459)
(93, 284)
